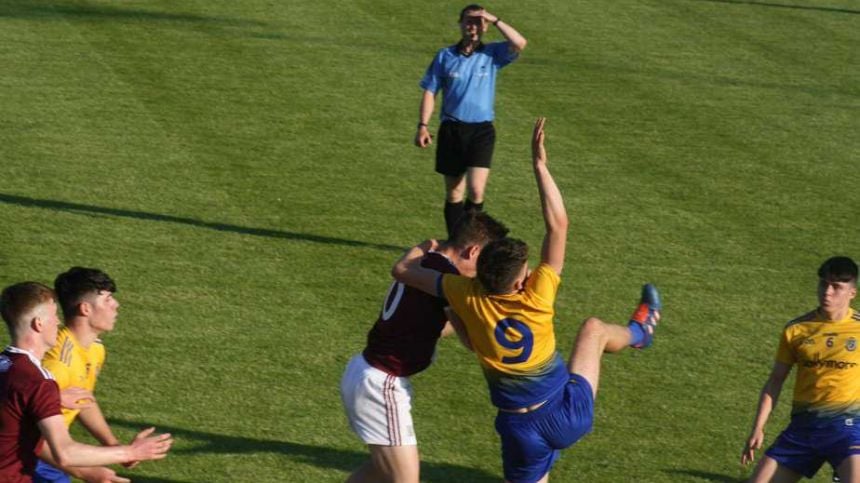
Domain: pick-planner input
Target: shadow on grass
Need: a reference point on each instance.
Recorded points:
(707, 476)
(142, 215)
(63, 11)
(148, 479)
(319, 456)
(782, 5)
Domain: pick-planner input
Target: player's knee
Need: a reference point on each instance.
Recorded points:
(592, 327)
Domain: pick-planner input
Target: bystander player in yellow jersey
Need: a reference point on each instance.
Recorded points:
(86, 297)
(825, 414)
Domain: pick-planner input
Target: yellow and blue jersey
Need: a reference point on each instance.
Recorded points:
(827, 357)
(72, 365)
(513, 336)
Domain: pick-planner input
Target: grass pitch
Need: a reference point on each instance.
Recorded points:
(245, 172)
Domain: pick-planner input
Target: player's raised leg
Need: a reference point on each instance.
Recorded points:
(849, 469)
(596, 337)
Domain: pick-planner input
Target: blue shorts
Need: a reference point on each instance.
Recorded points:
(531, 441)
(46, 473)
(804, 449)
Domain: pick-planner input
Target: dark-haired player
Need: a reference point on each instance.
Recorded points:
(375, 387)
(86, 298)
(466, 75)
(30, 418)
(825, 414)
(544, 404)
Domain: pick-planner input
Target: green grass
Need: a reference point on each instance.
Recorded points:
(245, 172)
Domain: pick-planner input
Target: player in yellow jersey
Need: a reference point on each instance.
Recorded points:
(86, 297)
(825, 414)
(544, 404)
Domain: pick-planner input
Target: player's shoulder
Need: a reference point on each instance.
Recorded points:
(545, 270)
(855, 315)
(23, 367)
(448, 51)
(439, 262)
(811, 316)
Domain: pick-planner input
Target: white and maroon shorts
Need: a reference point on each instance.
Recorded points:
(378, 405)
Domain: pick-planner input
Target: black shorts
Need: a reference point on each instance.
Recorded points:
(464, 145)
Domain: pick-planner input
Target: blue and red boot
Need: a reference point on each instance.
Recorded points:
(644, 320)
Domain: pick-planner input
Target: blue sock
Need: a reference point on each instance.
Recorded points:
(637, 333)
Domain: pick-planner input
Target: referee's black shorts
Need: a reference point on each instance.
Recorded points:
(463, 145)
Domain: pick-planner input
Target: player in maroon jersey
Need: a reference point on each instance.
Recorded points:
(375, 387)
(30, 399)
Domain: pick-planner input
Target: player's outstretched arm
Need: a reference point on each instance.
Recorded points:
(767, 401)
(90, 474)
(408, 269)
(94, 420)
(425, 111)
(68, 452)
(552, 204)
(515, 40)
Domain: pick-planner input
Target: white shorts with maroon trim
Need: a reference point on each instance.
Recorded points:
(378, 405)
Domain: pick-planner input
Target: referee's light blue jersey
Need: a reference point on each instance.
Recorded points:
(468, 83)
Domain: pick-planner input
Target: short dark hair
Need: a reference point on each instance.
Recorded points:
(838, 269)
(476, 228)
(469, 8)
(500, 262)
(18, 300)
(78, 282)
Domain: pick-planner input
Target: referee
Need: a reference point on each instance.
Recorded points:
(466, 74)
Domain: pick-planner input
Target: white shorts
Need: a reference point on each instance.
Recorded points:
(378, 405)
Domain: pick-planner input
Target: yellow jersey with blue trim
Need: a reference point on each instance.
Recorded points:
(512, 335)
(72, 365)
(827, 357)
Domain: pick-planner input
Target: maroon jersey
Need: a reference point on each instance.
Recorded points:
(403, 339)
(28, 394)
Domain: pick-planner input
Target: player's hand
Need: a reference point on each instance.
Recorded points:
(484, 15)
(148, 447)
(538, 149)
(423, 137)
(753, 444)
(100, 474)
(76, 398)
(428, 245)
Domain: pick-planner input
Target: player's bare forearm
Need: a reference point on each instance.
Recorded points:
(552, 203)
(93, 419)
(68, 452)
(554, 213)
(86, 473)
(408, 269)
(767, 401)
